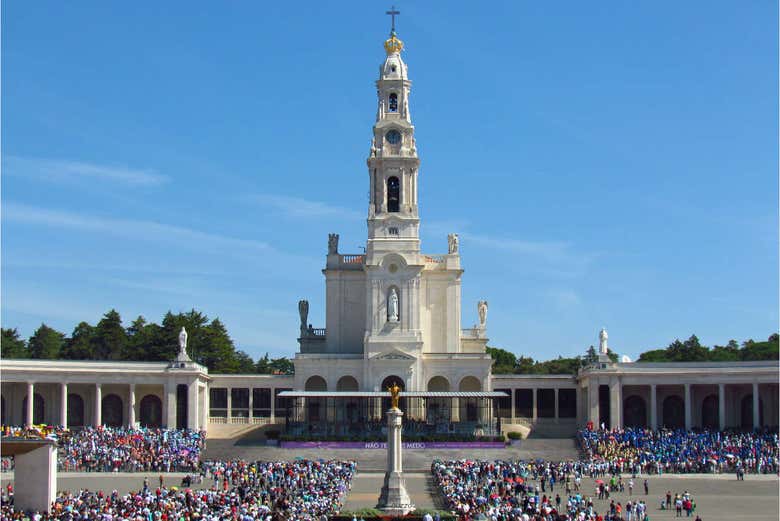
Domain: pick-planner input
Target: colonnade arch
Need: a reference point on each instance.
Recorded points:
(635, 411)
(710, 416)
(348, 411)
(469, 407)
(112, 408)
(673, 412)
(150, 411)
(438, 409)
(75, 410)
(315, 407)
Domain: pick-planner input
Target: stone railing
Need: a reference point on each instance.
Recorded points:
(435, 259)
(472, 332)
(353, 258)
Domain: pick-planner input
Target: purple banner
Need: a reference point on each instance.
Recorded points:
(383, 445)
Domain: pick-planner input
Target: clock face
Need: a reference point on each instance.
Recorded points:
(393, 137)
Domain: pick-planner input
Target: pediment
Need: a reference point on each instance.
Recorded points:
(393, 354)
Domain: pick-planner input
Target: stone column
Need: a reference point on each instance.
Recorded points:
(615, 403)
(688, 418)
(534, 411)
(756, 407)
(273, 405)
(394, 498)
(512, 403)
(556, 405)
(593, 398)
(131, 407)
(192, 406)
(653, 407)
(229, 403)
(97, 420)
(455, 413)
(251, 403)
(28, 414)
(169, 405)
(36, 478)
(722, 406)
(64, 405)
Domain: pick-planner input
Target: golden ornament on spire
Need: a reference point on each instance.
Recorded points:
(393, 45)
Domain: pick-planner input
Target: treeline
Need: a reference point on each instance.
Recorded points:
(507, 363)
(208, 343)
(689, 350)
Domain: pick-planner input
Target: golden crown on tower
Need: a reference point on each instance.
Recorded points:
(393, 45)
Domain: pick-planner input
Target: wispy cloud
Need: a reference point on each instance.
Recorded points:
(300, 208)
(549, 249)
(131, 228)
(66, 170)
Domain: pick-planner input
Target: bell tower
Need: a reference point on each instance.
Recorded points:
(393, 220)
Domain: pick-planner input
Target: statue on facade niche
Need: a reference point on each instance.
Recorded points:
(482, 309)
(392, 306)
(303, 311)
(452, 243)
(603, 349)
(333, 243)
(395, 395)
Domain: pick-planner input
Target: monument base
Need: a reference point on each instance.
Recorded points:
(394, 499)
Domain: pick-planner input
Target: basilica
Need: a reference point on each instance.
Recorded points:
(393, 317)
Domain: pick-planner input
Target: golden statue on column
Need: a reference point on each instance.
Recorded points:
(395, 394)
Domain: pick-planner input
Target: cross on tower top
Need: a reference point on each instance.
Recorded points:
(392, 12)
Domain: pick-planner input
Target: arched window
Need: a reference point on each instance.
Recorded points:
(393, 194)
(393, 103)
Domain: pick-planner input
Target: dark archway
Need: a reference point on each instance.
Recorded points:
(112, 411)
(388, 382)
(635, 412)
(710, 416)
(746, 412)
(39, 408)
(393, 194)
(75, 410)
(673, 412)
(150, 411)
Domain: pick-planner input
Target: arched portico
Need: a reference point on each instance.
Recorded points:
(150, 411)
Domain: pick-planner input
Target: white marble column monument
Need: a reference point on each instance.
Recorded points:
(394, 499)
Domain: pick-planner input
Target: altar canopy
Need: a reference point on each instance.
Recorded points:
(360, 414)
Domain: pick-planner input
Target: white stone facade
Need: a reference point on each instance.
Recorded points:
(393, 311)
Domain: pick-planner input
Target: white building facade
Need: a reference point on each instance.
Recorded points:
(393, 313)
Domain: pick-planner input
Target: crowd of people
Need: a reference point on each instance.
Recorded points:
(518, 491)
(680, 451)
(118, 449)
(269, 491)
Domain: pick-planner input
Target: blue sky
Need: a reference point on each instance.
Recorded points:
(606, 164)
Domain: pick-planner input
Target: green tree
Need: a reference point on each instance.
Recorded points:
(80, 344)
(11, 345)
(768, 350)
(215, 348)
(243, 363)
(525, 365)
(282, 366)
(503, 360)
(46, 343)
(263, 365)
(110, 338)
(591, 356)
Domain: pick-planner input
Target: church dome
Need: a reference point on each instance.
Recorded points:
(393, 45)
